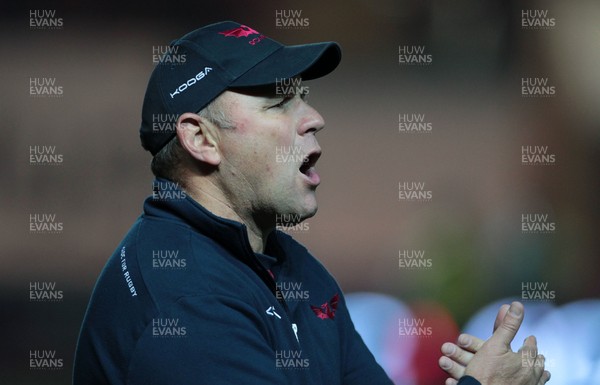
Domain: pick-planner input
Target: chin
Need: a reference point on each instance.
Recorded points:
(292, 217)
(308, 214)
(311, 207)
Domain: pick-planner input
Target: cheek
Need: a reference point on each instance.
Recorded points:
(241, 126)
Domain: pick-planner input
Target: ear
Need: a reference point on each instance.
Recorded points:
(199, 137)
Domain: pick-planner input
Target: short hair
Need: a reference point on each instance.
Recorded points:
(167, 163)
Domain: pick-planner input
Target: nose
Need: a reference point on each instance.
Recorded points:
(311, 120)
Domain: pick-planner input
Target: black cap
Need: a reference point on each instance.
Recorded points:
(202, 64)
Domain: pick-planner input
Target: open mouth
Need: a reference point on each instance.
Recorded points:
(308, 168)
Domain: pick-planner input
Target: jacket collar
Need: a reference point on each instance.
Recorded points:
(169, 200)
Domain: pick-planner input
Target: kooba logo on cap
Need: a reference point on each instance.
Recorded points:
(184, 86)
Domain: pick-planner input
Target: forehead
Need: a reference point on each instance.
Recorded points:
(269, 91)
(232, 98)
(257, 95)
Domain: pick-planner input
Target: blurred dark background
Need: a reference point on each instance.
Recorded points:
(101, 56)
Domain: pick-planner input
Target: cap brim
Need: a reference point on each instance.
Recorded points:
(309, 61)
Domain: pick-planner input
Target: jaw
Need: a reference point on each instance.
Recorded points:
(296, 207)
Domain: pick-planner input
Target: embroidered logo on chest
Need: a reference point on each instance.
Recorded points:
(326, 310)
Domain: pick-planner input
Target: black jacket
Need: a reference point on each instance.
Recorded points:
(185, 300)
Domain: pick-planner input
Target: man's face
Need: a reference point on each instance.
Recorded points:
(268, 159)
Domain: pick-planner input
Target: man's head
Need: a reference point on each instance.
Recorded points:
(239, 119)
(218, 57)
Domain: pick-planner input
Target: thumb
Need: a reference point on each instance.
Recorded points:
(500, 317)
(508, 328)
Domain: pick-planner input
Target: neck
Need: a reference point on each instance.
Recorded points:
(211, 197)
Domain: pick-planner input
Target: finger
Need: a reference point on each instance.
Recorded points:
(538, 369)
(545, 377)
(529, 355)
(501, 314)
(451, 381)
(530, 345)
(529, 352)
(541, 381)
(456, 353)
(509, 326)
(452, 368)
(470, 343)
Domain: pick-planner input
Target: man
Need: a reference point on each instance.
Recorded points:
(193, 295)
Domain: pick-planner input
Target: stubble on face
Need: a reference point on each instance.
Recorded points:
(268, 158)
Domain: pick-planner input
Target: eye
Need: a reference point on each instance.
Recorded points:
(285, 100)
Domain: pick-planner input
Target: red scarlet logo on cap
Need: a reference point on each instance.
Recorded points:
(242, 30)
